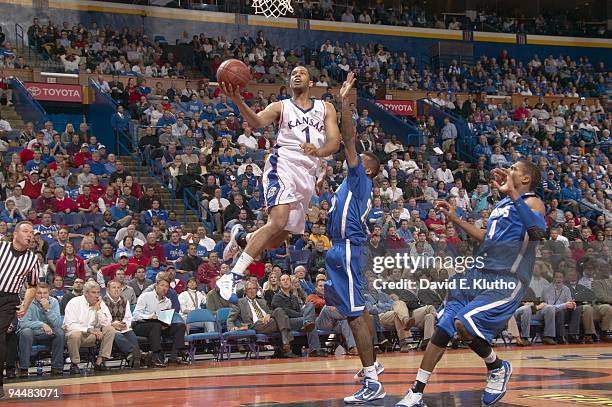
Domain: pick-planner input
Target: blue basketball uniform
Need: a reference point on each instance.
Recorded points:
(344, 262)
(507, 258)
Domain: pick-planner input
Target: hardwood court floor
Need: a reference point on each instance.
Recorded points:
(578, 375)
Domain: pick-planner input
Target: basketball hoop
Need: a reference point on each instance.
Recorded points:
(272, 8)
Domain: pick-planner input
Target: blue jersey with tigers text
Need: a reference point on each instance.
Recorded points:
(506, 248)
(350, 206)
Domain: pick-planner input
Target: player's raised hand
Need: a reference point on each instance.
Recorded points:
(347, 85)
(310, 149)
(447, 209)
(230, 91)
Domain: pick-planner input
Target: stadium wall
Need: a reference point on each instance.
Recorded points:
(290, 33)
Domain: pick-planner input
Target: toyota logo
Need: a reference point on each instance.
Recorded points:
(34, 90)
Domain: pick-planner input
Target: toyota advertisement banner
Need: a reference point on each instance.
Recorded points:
(398, 107)
(55, 92)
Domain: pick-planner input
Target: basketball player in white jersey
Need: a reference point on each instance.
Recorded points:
(308, 130)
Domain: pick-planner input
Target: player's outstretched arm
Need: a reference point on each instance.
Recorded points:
(269, 115)
(449, 211)
(348, 127)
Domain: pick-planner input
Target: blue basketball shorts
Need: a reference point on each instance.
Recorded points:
(482, 308)
(346, 283)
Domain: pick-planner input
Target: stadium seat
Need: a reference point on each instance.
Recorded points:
(196, 324)
(229, 339)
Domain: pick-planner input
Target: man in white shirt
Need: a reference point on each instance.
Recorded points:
(217, 205)
(5, 126)
(22, 202)
(556, 236)
(463, 200)
(87, 321)
(119, 308)
(179, 128)
(248, 140)
(444, 174)
(148, 308)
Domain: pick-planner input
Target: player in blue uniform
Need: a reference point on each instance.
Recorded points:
(486, 297)
(346, 283)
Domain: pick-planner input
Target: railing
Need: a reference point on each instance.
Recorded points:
(465, 142)
(26, 106)
(198, 210)
(19, 37)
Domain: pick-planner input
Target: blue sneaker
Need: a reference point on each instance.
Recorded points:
(371, 390)
(227, 287)
(497, 380)
(412, 400)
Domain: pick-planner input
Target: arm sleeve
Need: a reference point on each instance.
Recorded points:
(533, 221)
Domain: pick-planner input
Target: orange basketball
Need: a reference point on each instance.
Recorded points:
(234, 72)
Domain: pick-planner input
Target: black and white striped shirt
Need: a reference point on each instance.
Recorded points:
(16, 267)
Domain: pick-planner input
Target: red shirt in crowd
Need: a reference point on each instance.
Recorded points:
(430, 222)
(156, 250)
(30, 189)
(61, 205)
(84, 202)
(208, 274)
(139, 261)
(96, 191)
(110, 270)
(81, 158)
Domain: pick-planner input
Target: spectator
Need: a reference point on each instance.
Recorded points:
(301, 318)
(146, 323)
(192, 299)
(254, 313)
(139, 283)
(77, 290)
(86, 322)
(121, 317)
(42, 325)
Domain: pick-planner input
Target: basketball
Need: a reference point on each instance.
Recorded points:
(234, 72)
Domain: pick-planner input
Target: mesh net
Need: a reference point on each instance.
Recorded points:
(272, 8)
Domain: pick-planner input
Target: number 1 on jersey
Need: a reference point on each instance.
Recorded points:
(307, 133)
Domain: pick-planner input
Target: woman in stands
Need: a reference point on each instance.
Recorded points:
(272, 287)
(66, 136)
(153, 269)
(73, 189)
(126, 246)
(70, 266)
(11, 214)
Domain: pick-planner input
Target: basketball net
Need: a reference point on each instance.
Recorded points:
(272, 8)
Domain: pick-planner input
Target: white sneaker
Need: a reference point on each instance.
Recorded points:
(360, 375)
(232, 247)
(227, 287)
(370, 391)
(412, 400)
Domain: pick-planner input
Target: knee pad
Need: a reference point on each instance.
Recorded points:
(440, 338)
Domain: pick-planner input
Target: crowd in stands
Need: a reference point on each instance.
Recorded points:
(130, 52)
(100, 234)
(418, 14)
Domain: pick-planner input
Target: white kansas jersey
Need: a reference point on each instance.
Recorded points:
(296, 127)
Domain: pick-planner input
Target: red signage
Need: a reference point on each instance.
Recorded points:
(397, 107)
(55, 92)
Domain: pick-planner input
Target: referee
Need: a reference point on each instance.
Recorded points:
(17, 265)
